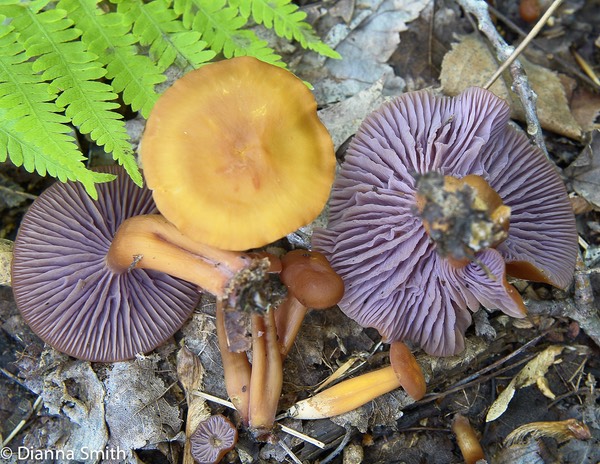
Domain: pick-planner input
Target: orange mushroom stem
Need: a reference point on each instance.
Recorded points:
(467, 440)
(236, 367)
(152, 242)
(266, 380)
(350, 394)
(288, 320)
(311, 283)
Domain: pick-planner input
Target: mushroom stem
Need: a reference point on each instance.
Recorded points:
(236, 367)
(467, 440)
(347, 395)
(152, 242)
(350, 394)
(267, 374)
(288, 320)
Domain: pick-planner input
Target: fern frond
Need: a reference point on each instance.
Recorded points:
(156, 25)
(221, 27)
(287, 20)
(108, 36)
(33, 132)
(72, 73)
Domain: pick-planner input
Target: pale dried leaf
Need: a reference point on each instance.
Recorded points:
(586, 109)
(366, 44)
(137, 413)
(501, 404)
(533, 371)
(344, 118)
(189, 370)
(75, 392)
(471, 63)
(542, 384)
(560, 430)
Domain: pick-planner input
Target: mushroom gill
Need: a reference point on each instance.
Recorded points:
(67, 292)
(396, 277)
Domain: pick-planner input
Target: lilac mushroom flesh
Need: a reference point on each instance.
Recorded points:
(213, 438)
(70, 297)
(395, 276)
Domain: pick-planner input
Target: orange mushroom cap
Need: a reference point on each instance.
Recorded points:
(408, 371)
(310, 279)
(236, 154)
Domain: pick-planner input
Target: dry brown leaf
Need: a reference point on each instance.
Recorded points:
(586, 109)
(561, 430)
(584, 172)
(533, 371)
(190, 373)
(471, 63)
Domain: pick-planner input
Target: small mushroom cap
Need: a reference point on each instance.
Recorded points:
(213, 438)
(408, 370)
(68, 295)
(311, 279)
(396, 281)
(236, 154)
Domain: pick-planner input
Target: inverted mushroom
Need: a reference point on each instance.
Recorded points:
(379, 238)
(68, 294)
(238, 141)
(213, 439)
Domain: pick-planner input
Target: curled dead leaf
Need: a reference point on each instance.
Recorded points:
(533, 372)
(560, 430)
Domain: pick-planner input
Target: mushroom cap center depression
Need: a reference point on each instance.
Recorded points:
(462, 216)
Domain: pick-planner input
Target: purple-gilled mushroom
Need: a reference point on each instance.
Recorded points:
(68, 294)
(401, 198)
(213, 439)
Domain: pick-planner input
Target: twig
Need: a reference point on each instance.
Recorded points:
(289, 452)
(339, 448)
(10, 191)
(479, 9)
(580, 308)
(532, 34)
(462, 386)
(566, 66)
(498, 363)
(36, 406)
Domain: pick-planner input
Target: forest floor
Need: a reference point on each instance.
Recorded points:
(550, 358)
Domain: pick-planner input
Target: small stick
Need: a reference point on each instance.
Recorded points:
(339, 448)
(532, 34)
(479, 8)
(36, 406)
(289, 452)
(566, 67)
